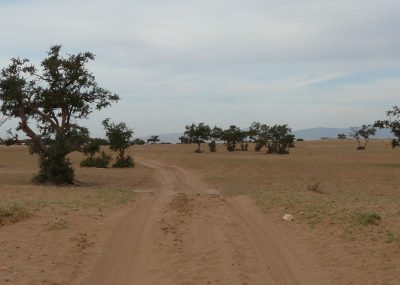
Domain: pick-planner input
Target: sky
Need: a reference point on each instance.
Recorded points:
(306, 63)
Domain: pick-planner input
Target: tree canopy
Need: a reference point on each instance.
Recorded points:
(49, 103)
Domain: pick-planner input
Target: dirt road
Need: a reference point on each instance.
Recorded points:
(185, 233)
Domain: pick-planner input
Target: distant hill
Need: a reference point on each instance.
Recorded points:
(318, 133)
(306, 134)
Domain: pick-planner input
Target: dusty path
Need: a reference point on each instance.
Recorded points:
(185, 233)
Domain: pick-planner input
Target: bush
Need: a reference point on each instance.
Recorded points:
(98, 162)
(300, 140)
(258, 147)
(13, 213)
(124, 162)
(365, 219)
(315, 187)
(212, 146)
(361, 147)
(231, 147)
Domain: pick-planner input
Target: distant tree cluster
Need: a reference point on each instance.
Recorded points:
(276, 139)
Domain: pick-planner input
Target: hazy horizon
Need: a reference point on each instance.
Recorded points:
(305, 63)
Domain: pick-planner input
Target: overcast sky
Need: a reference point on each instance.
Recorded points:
(307, 63)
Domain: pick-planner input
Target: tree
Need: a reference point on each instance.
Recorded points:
(153, 140)
(276, 139)
(393, 123)
(197, 134)
(119, 136)
(341, 136)
(232, 136)
(54, 98)
(90, 148)
(216, 135)
(280, 139)
(363, 132)
(138, 141)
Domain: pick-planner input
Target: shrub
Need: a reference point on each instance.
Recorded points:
(212, 146)
(98, 162)
(126, 161)
(300, 140)
(368, 218)
(258, 146)
(13, 213)
(315, 187)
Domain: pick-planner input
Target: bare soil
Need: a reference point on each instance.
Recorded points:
(186, 218)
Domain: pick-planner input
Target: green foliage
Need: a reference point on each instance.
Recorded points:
(53, 99)
(153, 139)
(124, 162)
(91, 147)
(393, 123)
(341, 136)
(119, 136)
(368, 218)
(138, 141)
(98, 162)
(276, 139)
(232, 136)
(363, 132)
(212, 146)
(197, 134)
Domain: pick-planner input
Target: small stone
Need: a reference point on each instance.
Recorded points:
(288, 217)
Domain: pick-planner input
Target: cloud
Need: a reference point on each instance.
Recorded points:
(173, 62)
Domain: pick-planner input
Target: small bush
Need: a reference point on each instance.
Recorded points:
(13, 213)
(230, 147)
(361, 148)
(315, 187)
(124, 162)
(258, 147)
(368, 218)
(212, 146)
(98, 162)
(300, 140)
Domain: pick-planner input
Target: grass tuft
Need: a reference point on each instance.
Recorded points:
(368, 218)
(13, 213)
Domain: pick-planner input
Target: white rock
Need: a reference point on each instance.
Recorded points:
(288, 217)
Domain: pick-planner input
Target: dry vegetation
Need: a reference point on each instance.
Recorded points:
(344, 201)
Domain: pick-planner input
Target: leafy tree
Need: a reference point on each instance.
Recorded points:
(363, 132)
(259, 133)
(232, 136)
(197, 134)
(119, 136)
(53, 98)
(392, 123)
(341, 136)
(138, 141)
(153, 140)
(276, 139)
(216, 135)
(280, 139)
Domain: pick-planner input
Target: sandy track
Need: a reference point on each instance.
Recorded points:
(185, 233)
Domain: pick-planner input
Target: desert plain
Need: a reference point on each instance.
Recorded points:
(180, 217)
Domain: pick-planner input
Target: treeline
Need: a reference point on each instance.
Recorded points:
(274, 139)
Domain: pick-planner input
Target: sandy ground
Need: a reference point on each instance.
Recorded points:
(185, 233)
(203, 219)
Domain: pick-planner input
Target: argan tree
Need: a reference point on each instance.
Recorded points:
(49, 102)
(197, 134)
(119, 136)
(276, 139)
(90, 148)
(232, 136)
(362, 133)
(153, 140)
(215, 135)
(392, 123)
(138, 141)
